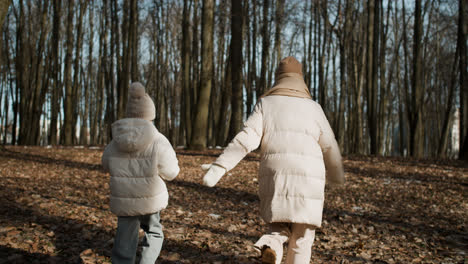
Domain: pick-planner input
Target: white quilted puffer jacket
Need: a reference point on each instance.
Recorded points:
(297, 144)
(137, 158)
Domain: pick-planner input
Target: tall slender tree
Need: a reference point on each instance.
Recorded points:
(67, 132)
(236, 68)
(186, 103)
(279, 17)
(461, 42)
(265, 48)
(371, 72)
(200, 125)
(417, 95)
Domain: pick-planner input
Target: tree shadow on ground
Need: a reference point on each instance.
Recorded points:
(383, 173)
(252, 156)
(11, 154)
(453, 238)
(226, 193)
(72, 237)
(13, 255)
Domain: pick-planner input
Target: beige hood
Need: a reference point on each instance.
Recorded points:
(132, 134)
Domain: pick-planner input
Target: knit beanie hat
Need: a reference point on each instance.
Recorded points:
(139, 104)
(289, 65)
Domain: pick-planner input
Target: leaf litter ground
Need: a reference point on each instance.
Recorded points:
(54, 209)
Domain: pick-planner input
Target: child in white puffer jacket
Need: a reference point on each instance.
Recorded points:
(298, 150)
(138, 159)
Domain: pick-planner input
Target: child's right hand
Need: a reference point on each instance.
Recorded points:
(213, 174)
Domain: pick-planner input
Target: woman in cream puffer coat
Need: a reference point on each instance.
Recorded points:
(138, 159)
(298, 154)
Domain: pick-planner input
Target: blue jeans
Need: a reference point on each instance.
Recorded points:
(126, 239)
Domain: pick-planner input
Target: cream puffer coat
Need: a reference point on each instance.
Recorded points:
(137, 158)
(297, 143)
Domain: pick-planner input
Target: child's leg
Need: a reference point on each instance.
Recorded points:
(300, 244)
(153, 240)
(275, 238)
(126, 240)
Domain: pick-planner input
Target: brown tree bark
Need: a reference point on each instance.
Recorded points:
(195, 61)
(24, 61)
(4, 6)
(415, 107)
(265, 49)
(30, 70)
(344, 38)
(199, 136)
(133, 40)
(123, 80)
(462, 32)
(55, 99)
(186, 104)
(77, 95)
(371, 72)
(84, 129)
(442, 148)
(236, 68)
(67, 132)
(279, 17)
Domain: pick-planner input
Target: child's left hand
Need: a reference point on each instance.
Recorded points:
(213, 174)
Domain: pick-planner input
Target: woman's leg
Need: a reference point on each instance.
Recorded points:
(300, 244)
(274, 239)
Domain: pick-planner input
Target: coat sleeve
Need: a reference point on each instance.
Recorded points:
(248, 139)
(168, 165)
(331, 151)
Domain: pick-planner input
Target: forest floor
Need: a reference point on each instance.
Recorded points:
(54, 209)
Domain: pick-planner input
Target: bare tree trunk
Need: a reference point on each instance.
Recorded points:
(84, 129)
(371, 73)
(124, 73)
(6, 108)
(323, 43)
(186, 104)
(4, 6)
(442, 149)
(195, 68)
(415, 113)
(199, 136)
(279, 14)
(236, 69)
(224, 116)
(133, 40)
(308, 64)
(462, 32)
(343, 44)
(105, 80)
(22, 76)
(251, 46)
(316, 44)
(98, 105)
(67, 131)
(77, 96)
(37, 82)
(219, 91)
(265, 49)
(383, 115)
(55, 99)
